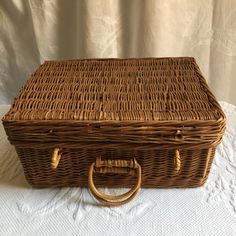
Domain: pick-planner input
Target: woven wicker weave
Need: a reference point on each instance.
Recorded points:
(157, 110)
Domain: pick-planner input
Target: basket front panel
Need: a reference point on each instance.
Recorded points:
(158, 169)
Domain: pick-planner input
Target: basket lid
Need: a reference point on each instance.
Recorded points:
(149, 89)
(142, 92)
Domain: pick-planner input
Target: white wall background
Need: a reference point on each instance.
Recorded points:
(34, 31)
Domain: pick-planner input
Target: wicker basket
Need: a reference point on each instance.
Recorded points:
(116, 122)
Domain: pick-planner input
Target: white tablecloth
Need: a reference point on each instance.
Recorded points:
(208, 210)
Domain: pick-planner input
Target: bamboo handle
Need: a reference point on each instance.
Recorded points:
(110, 200)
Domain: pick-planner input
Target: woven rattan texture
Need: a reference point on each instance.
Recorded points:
(147, 109)
(157, 167)
(119, 90)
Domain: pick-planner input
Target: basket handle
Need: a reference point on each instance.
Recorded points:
(114, 166)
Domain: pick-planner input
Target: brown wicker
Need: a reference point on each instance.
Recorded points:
(157, 110)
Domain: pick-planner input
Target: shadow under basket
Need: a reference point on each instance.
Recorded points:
(148, 122)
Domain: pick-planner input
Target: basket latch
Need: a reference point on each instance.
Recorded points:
(56, 156)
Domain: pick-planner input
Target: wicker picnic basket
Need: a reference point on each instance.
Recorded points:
(148, 122)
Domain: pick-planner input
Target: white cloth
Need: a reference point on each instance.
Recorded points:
(204, 211)
(32, 31)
